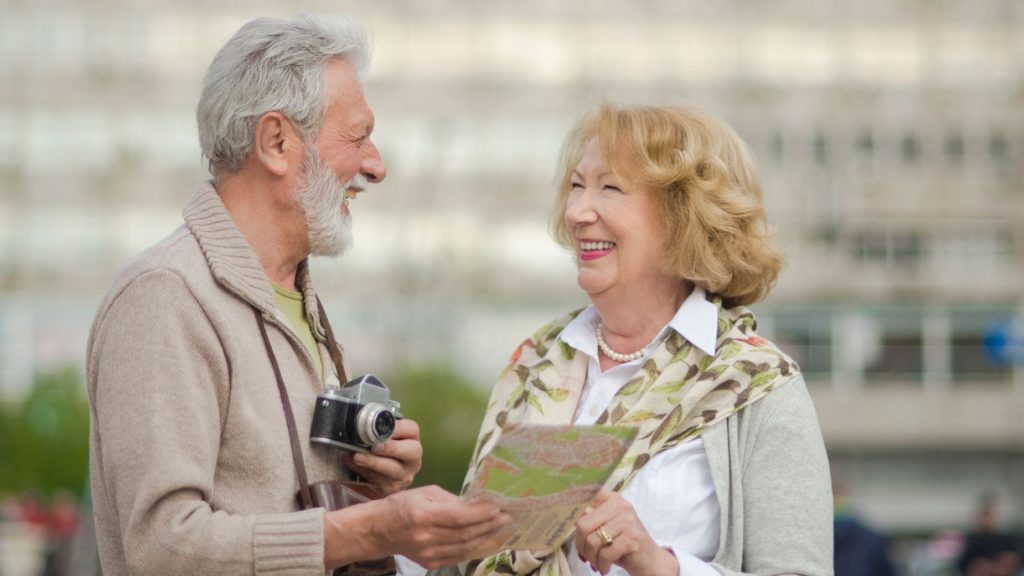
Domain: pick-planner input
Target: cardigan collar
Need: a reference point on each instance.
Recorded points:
(233, 262)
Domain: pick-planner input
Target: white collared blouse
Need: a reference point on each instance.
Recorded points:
(673, 494)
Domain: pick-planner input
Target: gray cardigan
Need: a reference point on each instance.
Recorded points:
(771, 476)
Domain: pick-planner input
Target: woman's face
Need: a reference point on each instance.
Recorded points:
(615, 232)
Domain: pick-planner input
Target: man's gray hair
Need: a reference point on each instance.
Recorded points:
(272, 64)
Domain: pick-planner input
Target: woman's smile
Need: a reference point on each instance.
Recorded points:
(594, 249)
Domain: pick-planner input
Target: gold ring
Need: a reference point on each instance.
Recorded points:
(608, 540)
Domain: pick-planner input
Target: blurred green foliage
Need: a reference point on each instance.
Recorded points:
(45, 446)
(449, 409)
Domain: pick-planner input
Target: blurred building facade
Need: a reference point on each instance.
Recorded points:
(890, 138)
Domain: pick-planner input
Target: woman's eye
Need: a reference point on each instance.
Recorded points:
(575, 185)
(613, 189)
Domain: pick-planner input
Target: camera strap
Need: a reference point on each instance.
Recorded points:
(332, 345)
(378, 567)
(289, 416)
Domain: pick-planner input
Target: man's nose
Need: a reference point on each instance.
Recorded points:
(373, 168)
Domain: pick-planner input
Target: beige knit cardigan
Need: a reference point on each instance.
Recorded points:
(191, 465)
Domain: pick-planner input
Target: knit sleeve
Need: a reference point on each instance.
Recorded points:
(783, 486)
(159, 388)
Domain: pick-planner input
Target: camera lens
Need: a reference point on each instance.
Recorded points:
(384, 425)
(375, 424)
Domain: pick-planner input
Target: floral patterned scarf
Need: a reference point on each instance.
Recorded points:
(676, 394)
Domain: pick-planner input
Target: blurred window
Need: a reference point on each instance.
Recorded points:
(973, 361)
(8, 140)
(820, 149)
(8, 42)
(955, 146)
(891, 247)
(79, 138)
(898, 347)
(998, 147)
(911, 148)
(777, 147)
(806, 335)
(981, 248)
(866, 144)
(7, 243)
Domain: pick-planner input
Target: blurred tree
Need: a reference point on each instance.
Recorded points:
(449, 410)
(7, 441)
(46, 437)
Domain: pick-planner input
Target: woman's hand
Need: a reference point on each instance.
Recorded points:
(627, 544)
(393, 464)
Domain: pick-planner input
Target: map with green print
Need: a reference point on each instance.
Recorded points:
(546, 476)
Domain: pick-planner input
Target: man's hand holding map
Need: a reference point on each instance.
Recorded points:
(545, 477)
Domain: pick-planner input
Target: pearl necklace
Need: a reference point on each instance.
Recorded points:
(617, 356)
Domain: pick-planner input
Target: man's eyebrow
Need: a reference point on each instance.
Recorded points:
(368, 125)
(360, 131)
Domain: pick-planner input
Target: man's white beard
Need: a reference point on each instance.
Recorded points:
(330, 230)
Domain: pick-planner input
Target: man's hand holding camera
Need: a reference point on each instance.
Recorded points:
(363, 421)
(429, 525)
(392, 465)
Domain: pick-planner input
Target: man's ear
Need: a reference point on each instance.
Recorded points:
(275, 143)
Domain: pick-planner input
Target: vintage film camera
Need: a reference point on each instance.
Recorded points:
(356, 417)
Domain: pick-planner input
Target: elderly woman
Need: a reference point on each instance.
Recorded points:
(663, 211)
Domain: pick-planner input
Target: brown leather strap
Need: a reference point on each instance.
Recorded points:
(332, 343)
(289, 416)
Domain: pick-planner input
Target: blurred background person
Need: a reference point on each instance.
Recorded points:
(937, 554)
(860, 549)
(62, 525)
(989, 550)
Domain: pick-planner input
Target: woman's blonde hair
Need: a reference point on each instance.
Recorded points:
(703, 180)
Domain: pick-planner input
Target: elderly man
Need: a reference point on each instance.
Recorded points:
(211, 348)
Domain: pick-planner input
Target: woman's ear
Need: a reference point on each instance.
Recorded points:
(276, 143)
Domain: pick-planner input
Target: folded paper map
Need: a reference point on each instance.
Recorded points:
(546, 476)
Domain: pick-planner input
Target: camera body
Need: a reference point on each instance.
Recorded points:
(356, 416)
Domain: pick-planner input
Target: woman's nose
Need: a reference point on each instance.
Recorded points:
(579, 209)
